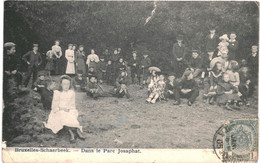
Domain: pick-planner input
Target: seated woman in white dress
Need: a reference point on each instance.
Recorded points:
(63, 111)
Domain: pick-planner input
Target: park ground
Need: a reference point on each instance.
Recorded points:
(132, 123)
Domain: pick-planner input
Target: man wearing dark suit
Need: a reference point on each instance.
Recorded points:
(179, 52)
(212, 40)
(33, 59)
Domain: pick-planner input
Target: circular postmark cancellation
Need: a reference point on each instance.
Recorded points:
(237, 140)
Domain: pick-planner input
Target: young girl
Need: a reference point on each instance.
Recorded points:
(64, 112)
(214, 78)
(227, 93)
(223, 44)
(69, 54)
(50, 62)
(157, 90)
(233, 73)
(120, 66)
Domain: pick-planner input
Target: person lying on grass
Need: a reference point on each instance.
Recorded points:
(64, 112)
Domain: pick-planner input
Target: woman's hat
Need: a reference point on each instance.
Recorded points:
(35, 45)
(9, 44)
(156, 69)
(187, 73)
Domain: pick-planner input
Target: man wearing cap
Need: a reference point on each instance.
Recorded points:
(187, 88)
(33, 59)
(11, 71)
(232, 47)
(179, 52)
(212, 40)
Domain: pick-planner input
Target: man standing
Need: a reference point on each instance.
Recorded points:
(179, 52)
(34, 60)
(212, 40)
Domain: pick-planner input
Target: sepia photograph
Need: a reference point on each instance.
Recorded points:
(129, 75)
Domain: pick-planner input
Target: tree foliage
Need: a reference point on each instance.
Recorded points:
(117, 24)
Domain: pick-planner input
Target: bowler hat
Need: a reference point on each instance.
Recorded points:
(180, 37)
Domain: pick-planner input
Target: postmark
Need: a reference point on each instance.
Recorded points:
(237, 140)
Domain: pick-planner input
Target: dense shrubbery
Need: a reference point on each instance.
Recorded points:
(117, 24)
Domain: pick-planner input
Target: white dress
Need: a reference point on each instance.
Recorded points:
(69, 54)
(59, 118)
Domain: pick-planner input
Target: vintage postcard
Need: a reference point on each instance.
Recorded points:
(130, 81)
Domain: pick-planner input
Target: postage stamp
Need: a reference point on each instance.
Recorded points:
(237, 140)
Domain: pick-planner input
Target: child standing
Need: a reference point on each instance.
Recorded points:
(157, 90)
(110, 75)
(49, 67)
(227, 93)
(212, 40)
(187, 88)
(64, 112)
(223, 44)
(232, 47)
(102, 68)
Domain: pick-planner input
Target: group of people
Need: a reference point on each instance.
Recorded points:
(225, 80)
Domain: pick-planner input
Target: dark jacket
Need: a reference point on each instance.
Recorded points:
(134, 61)
(91, 86)
(195, 63)
(232, 50)
(146, 62)
(252, 63)
(122, 80)
(178, 52)
(188, 84)
(211, 44)
(46, 97)
(34, 59)
(11, 62)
